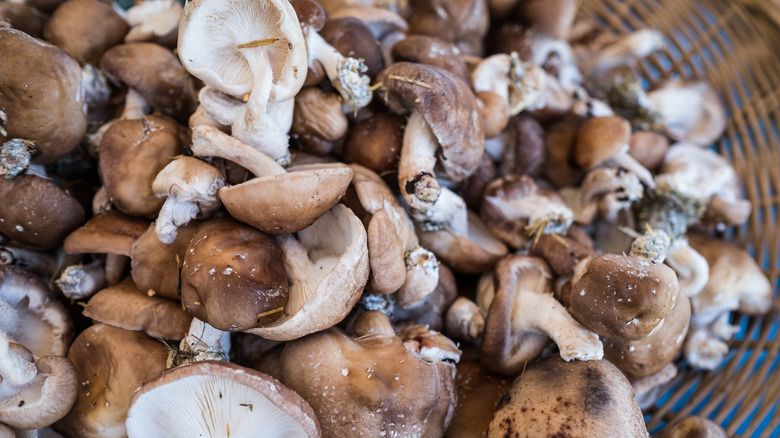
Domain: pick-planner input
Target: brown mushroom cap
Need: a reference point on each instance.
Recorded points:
(155, 73)
(370, 385)
(85, 29)
(231, 275)
(111, 363)
(600, 139)
(132, 153)
(561, 253)
(111, 233)
(433, 51)
(375, 142)
(351, 37)
(126, 307)
(581, 398)
(200, 398)
(37, 213)
(526, 153)
(318, 120)
(647, 356)
(22, 16)
(308, 192)
(40, 96)
(648, 148)
(552, 18)
(560, 140)
(155, 265)
(623, 296)
(448, 107)
(463, 22)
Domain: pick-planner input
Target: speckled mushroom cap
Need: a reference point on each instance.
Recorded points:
(211, 397)
(111, 363)
(647, 356)
(232, 275)
(85, 29)
(590, 399)
(40, 96)
(210, 34)
(132, 153)
(123, 305)
(155, 73)
(448, 106)
(623, 296)
(376, 383)
(37, 213)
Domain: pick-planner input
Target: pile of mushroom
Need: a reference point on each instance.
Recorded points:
(298, 217)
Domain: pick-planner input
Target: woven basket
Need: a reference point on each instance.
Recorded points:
(735, 45)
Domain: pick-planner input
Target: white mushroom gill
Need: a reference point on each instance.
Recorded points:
(208, 406)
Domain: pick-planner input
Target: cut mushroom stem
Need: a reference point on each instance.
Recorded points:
(624, 160)
(81, 281)
(422, 276)
(416, 175)
(15, 155)
(203, 342)
(136, 107)
(692, 268)
(464, 320)
(347, 74)
(448, 212)
(520, 88)
(653, 244)
(298, 266)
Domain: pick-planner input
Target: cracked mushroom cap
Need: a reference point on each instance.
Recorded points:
(448, 106)
(213, 398)
(33, 396)
(374, 383)
(591, 398)
(124, 306)
(155, 73)
(233, 277)
(523, 316)
(36, 212)
(132, 153)
(111, 364)
(327, 266)
(41, 98)
(30, 313)
(623, 296)
(215, 45)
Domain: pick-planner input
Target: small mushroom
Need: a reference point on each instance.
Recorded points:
(604, 193)
(691, 111)
(309, 191)
(33, 395)
(85, 29)
(694, 426)
(590, 398)
(375, 142)
(351, 36)
(318, 121)
(204, 398)
(648, 148)
(603, 141)
(524, 315)
(190, 187)
(111, 364)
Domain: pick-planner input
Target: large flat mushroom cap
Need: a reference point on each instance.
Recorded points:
(448, 106)
(288, 203)
(213, 398)
(580, 398)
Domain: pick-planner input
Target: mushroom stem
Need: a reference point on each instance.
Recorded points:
(29, 260)
(9, 318)
(115, 268)
(422, 276)
(14, 369)
(81, 281)
(692, 268)
(208, 141)
(633, 46)
(345, 73)
(449, 211)
(542, 313)
(94, 85)
(625, 161)
(298, 264)
(15, 155)
(203, 342)
(416, 175)
(464, 320)
(135, 106)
